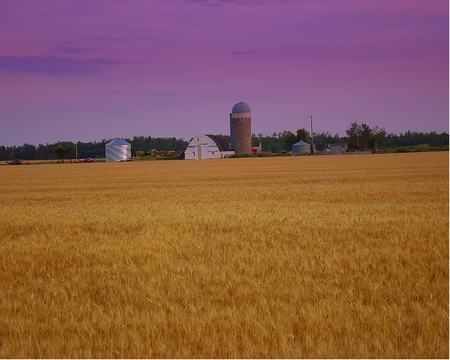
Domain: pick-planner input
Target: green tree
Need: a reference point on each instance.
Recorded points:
(27, 152)
(302, 134)
(379, 136)
(289, 139)
(225, 138)
(363, 137)
(353, 134)
(321, 140)
(62, 151)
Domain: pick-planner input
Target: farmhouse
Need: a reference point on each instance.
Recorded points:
(207, 147)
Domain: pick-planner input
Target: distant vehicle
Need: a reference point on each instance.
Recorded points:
(14, 162)
(126, 159)
(87, 160)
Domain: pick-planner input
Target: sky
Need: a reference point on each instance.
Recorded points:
(84, 70)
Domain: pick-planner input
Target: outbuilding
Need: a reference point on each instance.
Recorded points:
(301, 147)
(118, 150)
(336, 149)
(207, 147)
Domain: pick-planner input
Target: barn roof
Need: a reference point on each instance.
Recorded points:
(221, 144)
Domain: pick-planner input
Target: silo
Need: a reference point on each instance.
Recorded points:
(117, 150)
(241, 128)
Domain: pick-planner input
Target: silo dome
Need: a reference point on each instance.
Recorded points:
(241, 107)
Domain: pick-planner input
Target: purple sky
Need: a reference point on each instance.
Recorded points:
(84, 70)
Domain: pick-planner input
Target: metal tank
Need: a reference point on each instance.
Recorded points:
(117, 150)
(241, 128)
(301, 147)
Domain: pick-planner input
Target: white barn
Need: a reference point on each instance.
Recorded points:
(207, 147)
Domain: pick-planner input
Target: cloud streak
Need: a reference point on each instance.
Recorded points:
(67, 49)
(222, 2)
(53, 65)
(243, 53)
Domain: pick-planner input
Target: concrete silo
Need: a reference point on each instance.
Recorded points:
(241, 128)
(117, 150)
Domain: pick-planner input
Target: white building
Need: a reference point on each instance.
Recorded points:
(207, 147)
(117, 150)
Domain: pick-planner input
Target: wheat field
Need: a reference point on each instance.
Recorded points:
(285, 257)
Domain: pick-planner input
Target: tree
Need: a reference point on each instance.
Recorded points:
(302, 135)
(289, 139)
(63, 151)
(225, 138)
(321, 140)
(363, 137)
(379, 136)
(353, 134)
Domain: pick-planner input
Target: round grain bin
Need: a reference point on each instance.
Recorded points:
(241, 128)
(301, 147)
(117, 150)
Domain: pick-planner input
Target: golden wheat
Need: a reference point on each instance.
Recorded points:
(306, 257)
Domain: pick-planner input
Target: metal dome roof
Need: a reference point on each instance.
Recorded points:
(301, 142)
(117, 142)
(241, 107)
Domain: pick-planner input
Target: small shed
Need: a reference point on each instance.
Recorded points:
(301, 147)
(117, 150)
(336, 149)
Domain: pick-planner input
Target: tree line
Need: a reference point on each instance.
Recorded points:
(358, 137)
(363, 137)
(68, 149)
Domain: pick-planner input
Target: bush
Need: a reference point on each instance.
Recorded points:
(240, 155)
(409, 149)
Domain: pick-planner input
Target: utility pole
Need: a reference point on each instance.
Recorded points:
(312, 136)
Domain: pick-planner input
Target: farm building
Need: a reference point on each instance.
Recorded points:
(207, 147)
(117, 150)
(241, 128)
(336, 149)
(301, 147)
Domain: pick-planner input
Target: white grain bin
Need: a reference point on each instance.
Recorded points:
(117, 150)
(301, 147)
